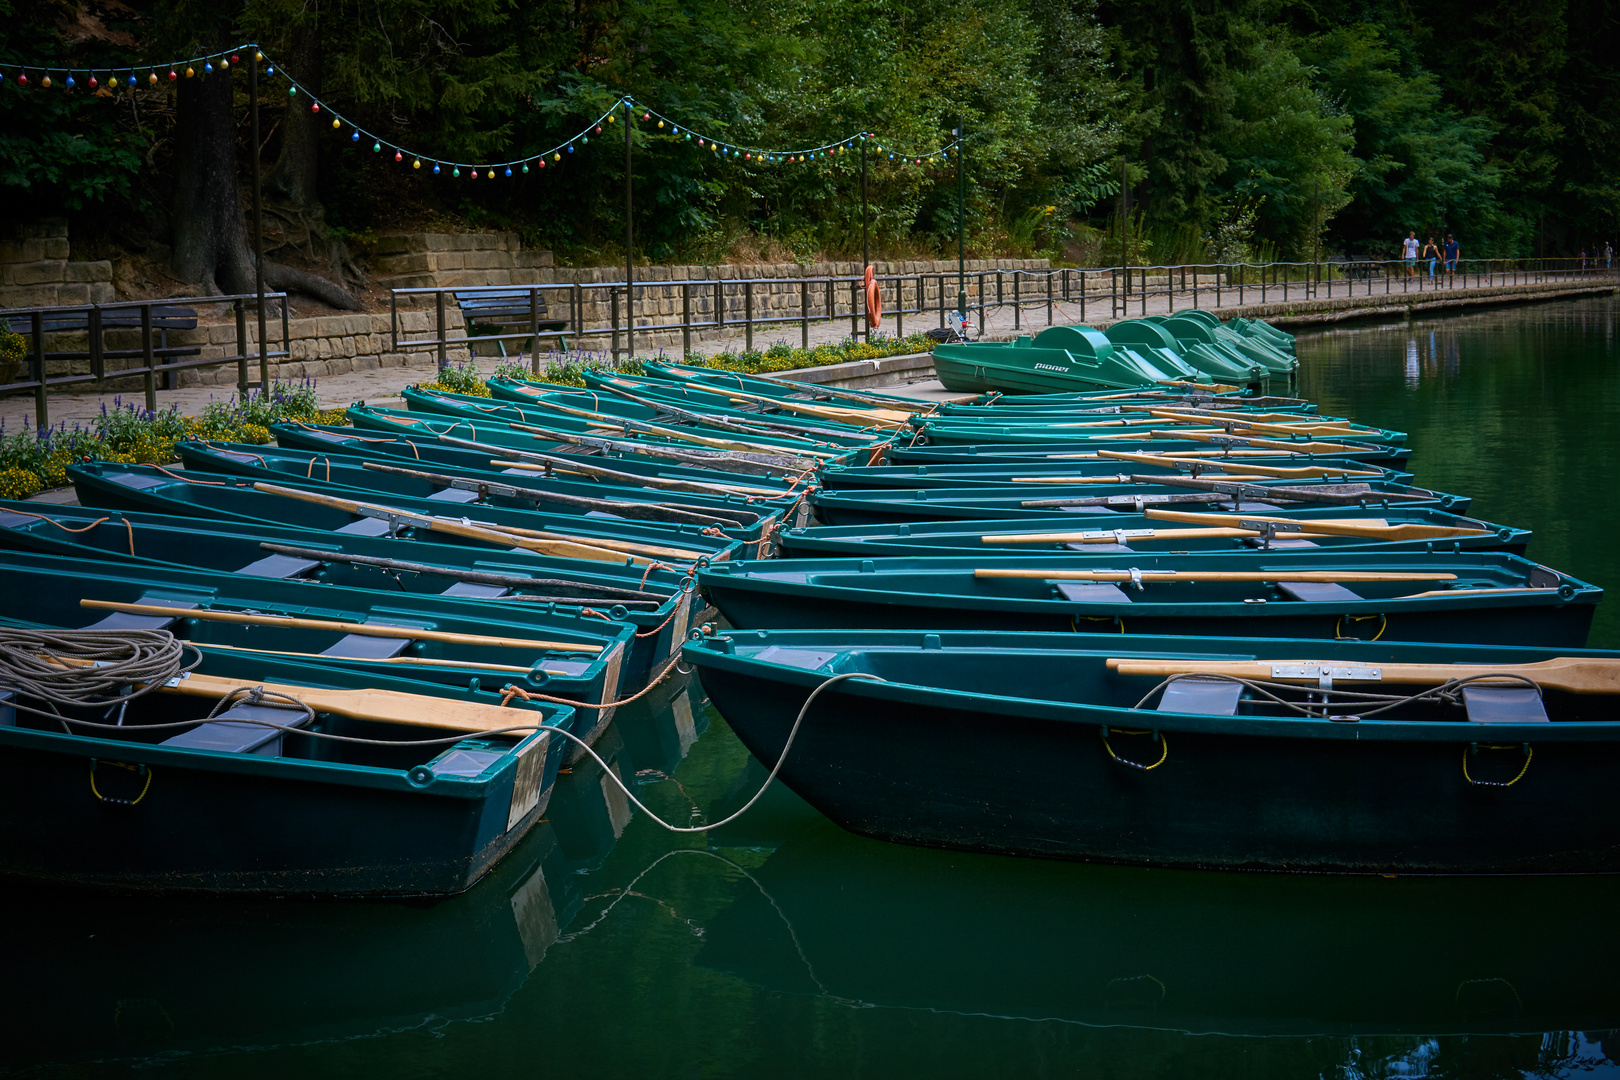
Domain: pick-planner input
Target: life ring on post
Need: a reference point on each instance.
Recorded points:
(874, 301)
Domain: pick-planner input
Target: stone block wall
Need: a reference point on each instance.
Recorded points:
(320, 345)
(35, 271)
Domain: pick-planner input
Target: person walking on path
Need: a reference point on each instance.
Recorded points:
(1431, 252)
(1608, 255)
(1453, 255)
(1409, 252)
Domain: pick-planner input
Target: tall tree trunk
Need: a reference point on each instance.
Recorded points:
(211, 246)
(295, 176)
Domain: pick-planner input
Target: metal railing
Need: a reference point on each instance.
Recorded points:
(596, 310)
(45, 326)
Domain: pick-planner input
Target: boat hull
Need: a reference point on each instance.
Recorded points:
(940, 768)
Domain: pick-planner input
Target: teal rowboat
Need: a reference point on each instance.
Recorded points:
(656, 601)
(1175, 423)
(863, 506)
(157, 796)
(398, 423)
(516, 489)
(1111, 463)
(1483, 597)
(1077, 747)
(564, 460)
(445, 640)
(1159, 442)
(313, 504)
(1394, 529)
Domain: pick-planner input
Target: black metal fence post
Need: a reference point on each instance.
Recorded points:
(42, 411)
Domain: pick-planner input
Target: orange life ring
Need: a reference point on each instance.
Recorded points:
(874, 301)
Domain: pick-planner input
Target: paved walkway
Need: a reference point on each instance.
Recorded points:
(382, 386)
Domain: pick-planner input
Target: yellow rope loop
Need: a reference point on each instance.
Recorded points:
(1528, 751)
(140, 770)
(1158, 735)
(1338, 627)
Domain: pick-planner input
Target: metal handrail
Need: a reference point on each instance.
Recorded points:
(1096, 290)
(40, 381)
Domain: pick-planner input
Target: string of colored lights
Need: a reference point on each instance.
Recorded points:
(121, 75)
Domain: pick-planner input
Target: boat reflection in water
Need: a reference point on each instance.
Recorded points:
(112, 977)
(886, 926)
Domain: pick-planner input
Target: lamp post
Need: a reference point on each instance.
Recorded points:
(258, 224)
(629, 239)
(961, 221)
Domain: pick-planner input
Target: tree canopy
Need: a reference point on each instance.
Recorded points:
(1278, 126)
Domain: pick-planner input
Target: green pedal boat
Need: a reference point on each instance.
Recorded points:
(262, 774)
(1324, 756)
(1484, 597)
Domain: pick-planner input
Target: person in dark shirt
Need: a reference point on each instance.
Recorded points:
(1453, 255)
(1431, 252)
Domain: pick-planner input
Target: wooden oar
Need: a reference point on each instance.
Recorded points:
(549, 463)
(1122, 535)
(1289, 429)
(1372, 528)
(409, 633)
(1114, 478)
(382, 706)
(1235, 414)
(752, 465)
(1214, 388)
(1350, 494)
(1307, 472)
(776, 427)
(680, 435)
(1325, 449)
(1181, 455)
(1212, 575)
(1575, 675)
(676, 513)
(557, 544)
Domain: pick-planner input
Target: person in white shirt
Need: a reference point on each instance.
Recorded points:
(1409, 252)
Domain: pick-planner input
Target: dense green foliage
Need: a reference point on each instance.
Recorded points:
(1247, 127)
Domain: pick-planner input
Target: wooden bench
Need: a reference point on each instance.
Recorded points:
(164, 319)
(511, 309)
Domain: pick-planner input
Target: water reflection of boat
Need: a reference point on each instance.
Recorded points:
(144, 977)
(878, 925)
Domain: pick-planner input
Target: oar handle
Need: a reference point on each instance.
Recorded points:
(1330, 576)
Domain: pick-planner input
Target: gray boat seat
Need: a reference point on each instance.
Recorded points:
(139, 483)
(284, 567)
(222, 735)
(1281, 545)
(368, 526)
(1248, 504)
(603, 514)
(1206, 697)
(1091, 592)
(476, 591)
(1317, 592)
(8, 520)
(1085, 510)
(1488, 704)
(1099, 547)
(125, 620)
(329, 436)
(454, 495)
(366, 647)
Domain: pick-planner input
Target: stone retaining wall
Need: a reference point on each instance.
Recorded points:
(35, 271)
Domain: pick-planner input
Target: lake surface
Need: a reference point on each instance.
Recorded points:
(784, 947)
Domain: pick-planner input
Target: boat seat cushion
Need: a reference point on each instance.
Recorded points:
(368, 526)
(139, 483)
(454, 495)
(1206, 697)
(1091, 592)
(1504, 704)
(1098, 547)
(1281, 545)
(1317, 592)
(366, 647)
(221, 734)
(284, 567)
(126, 620)
(476, 591)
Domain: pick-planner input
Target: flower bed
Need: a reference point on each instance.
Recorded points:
(33, 460)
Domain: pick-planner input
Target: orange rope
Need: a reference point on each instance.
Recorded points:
(667, 618)
(129, 528)
(509, 692)
(189, 480)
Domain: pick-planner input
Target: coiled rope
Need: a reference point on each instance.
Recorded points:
(89, 667)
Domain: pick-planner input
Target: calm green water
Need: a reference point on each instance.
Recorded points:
(783, 947)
